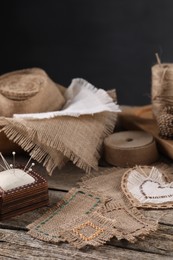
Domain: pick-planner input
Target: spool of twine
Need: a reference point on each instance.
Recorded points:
(162, 87)
(162, 97)
(130, 148)
(165, 123)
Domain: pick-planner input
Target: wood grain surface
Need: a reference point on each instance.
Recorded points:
(15, 243)
(141, 118)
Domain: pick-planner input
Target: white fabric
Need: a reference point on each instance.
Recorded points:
(14, 178)
(151, 189)
(82, 98)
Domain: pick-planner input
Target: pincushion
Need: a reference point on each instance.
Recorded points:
(21, 191)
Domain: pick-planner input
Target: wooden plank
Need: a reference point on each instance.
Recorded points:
(160, 242)
(19, 245)
(142, 118)
(164, 217)
(64, 179)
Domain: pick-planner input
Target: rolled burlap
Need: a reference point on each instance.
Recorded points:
(162, 87)
(130, 148)
(28, 91)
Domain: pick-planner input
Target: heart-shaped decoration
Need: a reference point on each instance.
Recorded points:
(147, 187)
(154, 190)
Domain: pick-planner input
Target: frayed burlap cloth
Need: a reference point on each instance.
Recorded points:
(93, 213)
(75, 133)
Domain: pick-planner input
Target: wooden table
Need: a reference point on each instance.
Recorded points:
(15, 243)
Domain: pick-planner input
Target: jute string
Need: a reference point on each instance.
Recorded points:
(162, 95)
(162, 87)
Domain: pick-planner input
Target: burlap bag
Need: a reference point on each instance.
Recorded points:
(28, 91)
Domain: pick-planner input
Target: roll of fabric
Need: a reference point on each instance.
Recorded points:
(130, 148)
(28, 91)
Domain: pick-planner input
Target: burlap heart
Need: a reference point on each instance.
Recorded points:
(147, 187)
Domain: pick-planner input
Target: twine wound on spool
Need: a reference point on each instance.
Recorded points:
(162, 86)
(130, 148)
(162, 97)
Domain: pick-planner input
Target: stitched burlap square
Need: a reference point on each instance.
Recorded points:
(94, 213)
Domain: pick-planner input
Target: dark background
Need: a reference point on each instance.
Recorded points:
(111, 43)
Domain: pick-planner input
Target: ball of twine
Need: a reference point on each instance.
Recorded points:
(165, 123)
(162, 87)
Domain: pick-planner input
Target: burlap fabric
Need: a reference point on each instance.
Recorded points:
(74, 133)
(93, 213)
(54, 141)
(28, 91)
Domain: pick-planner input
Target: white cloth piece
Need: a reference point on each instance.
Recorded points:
(150, 189)
(82, 98)
(14, 178)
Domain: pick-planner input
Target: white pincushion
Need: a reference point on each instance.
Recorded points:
(14, 178)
